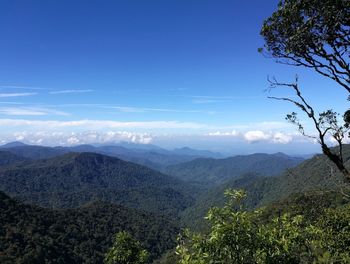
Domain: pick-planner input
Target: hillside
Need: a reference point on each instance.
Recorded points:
(30, 234)
(310, 204)
(316, 174)
(213, 172)
(74, 179)
(193, 216)
(7, 158)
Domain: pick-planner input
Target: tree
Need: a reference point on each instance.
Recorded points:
(326, 124)
(126, 250)
(239, 236)
(311, 33)
(314, 34)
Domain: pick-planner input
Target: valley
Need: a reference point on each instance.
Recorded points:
(95, 196)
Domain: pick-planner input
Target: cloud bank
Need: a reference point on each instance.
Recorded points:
(255, 136)
(248, 138)
(73, 138)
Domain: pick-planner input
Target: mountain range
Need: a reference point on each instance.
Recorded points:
(143, 154)
(213, 172)
(315, 174)
(73, 179)
(93, 194)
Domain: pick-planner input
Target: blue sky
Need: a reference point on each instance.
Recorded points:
(173, 73)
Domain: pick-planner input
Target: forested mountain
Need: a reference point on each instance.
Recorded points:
(326, 212)
(33, 152)
(30, 234)
(13, 144)
(193, 216)
(150, 156)
(74, 179)
(213, 172)
(186, 151)
(196, 153)
(310, 204)
(316, 174)
(154, 158)
(7, 158)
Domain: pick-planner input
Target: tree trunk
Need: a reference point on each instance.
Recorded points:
(337, 161)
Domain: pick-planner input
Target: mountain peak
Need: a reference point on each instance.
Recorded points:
(14, 144)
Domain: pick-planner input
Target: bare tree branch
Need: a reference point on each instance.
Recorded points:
(325, 123)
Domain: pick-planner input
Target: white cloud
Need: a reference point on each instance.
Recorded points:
(270, 125)
(6, 95)
(256, 136)
(110, 130)
(74, 138)
(71, 91)
(264, 126)
(282, 138)
(253, 136)
(128, 109)
(20, 111)
(332, 141)
(10, 103)
(232, 133)
(29, 111)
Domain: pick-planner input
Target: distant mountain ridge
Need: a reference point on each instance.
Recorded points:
(73, 179)
(148, 155)
(212, 172)
(13, 144)
(195, 152)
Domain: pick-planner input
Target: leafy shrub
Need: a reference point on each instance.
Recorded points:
(239, 236)
(126, 250)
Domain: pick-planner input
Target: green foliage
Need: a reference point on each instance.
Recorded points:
(193, 217)
(169, 257)
(126, 250)
(311, 33)
(30, 234)
(239, 236)
(73, 179)
(314, 34)
(336, 236)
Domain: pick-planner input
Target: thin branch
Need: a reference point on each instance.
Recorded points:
(324, 124)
